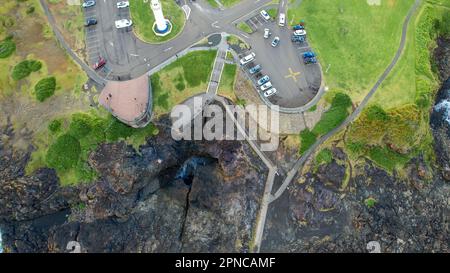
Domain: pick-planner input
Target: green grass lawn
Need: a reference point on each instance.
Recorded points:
(244, 27)
(143, 20)
(273, 12)
(182, 79)
(213, 3)
(229, 3)
(226, 87)
(356, 41)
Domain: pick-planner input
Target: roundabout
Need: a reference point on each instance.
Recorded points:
(156, 22)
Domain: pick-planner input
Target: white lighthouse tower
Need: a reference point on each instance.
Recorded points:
(162, 26)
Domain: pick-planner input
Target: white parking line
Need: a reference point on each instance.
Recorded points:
(250, 21)
(260, 19)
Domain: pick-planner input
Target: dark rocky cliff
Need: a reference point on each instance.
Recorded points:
(408, 215)
(160, 199)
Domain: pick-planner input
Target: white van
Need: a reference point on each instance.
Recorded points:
(282, 20)
(250, 57)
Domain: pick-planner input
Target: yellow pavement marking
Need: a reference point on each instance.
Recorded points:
(292, 75)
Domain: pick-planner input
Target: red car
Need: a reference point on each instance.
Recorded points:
(99, 64)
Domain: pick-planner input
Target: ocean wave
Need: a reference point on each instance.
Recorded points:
(444, 108)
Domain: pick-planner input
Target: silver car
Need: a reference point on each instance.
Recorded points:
(270, 92)
(123, 4)
(266, 86)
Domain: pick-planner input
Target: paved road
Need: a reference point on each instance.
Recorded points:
(129, 57)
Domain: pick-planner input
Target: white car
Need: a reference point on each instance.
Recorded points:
(300, 32)
(282, 20)
(270, 92)
(265, 15)
(266, 86)
(123, 4)
(250, 57)
(266, 33)
(123, 23)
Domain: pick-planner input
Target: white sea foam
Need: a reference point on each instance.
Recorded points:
(1, 246)
(444, 107)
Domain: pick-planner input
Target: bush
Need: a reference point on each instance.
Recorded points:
(21, 71)
(30, 10)
(45, 88)
(55, 126)
(324, 156)
(337, 113)
(7, 48)
(80, 125)
(117, 130)
(34, 65)
(307, 139)
(375, 112)
(64, 153)
(341, 99)
(370, 202)
(24, 69)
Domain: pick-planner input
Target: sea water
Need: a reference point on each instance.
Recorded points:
(1, 246)
(443, 107)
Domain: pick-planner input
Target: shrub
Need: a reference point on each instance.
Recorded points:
(21, 70)
(7, 48)
(337, 113)
(55, 126)
(117, 130)
(341, 99)
(370, 202)
(45, 88)
(30, 10)
(375, 112)
(64, 153)
(34, 65)
(80, 125)
(307, 139)
(324, 156)
(24, 69)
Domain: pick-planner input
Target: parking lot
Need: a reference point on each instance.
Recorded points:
(104, 40)
(256, 22)
(93, 41)
(296, 83)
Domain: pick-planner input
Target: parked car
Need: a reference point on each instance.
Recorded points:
(309, 54)
(123, 4)
(88, 4)
(122, 23)
(270, 92)
(266, 33)
(300, 32)
(265, 15)
(255, 69)
(266, 86)
(99, 64)
(276, 41)
(90, 22)
(250, 57)
(263, 80)
(282, 20)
